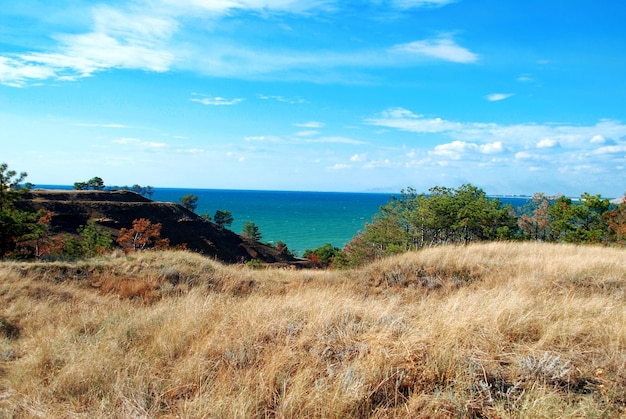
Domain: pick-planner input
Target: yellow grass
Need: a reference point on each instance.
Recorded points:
(492, 330)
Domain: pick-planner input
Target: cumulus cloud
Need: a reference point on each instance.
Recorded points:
(491, 148)
(528, 134)
(547, 143)
(598, 139)
(358, 158)
(340, 166)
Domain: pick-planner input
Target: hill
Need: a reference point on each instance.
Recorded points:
(493, 330)
(113, 210)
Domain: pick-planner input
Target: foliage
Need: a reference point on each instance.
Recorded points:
(251, 231)
(143, 235)
(146, 191)
(323, 256)
(96, 183)
(442, 216)
(16, 225)
(616, 219)
(189, 201)
(223, 218)
(282, 248)
(93, 240)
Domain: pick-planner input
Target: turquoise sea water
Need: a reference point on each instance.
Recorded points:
(302, 220)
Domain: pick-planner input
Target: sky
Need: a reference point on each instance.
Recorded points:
(514, 97)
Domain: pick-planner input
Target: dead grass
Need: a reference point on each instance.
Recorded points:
(494, 330)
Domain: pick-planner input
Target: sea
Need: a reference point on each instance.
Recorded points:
(301, 220)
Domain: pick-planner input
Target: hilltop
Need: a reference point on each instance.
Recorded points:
(490, 330)
(114, 210)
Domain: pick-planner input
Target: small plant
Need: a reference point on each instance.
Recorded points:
(253, 264)
(548, 368)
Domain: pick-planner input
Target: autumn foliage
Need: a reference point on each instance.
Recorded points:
(143, 235)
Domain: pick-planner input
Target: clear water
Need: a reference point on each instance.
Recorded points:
(302, 220)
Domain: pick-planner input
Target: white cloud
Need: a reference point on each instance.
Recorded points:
(340, 166)
(496, 97)
(491, 148)
(358, 158)
(159, 36)
(610, 149)
(598, 139)
(409, 4)
(335, 140)
(443, 48)
(547, 143)
(453, 150)
(310, 124)
(217, 101)
(136, 142)
(527, 135)
(523, 155)
(283, 99)
(406, 120)
(262, 138)
(79, 124)
(308, 133)
(525, 78)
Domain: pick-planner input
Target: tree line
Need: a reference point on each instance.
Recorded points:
(466, 214)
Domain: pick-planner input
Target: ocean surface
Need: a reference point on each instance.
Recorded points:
(302, 220)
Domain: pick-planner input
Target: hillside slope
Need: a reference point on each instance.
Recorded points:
(114, 210)
(497, 330)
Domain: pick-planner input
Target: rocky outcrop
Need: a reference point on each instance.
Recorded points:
(114, 210)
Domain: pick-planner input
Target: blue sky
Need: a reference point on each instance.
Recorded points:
(515, 97)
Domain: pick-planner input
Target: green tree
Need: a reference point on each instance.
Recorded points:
(96, 183)
(146, 191)
(579, 222)
(16, 225)
(411, 221)
(323, 256)
(251, 231)
(93, 241)
(189, 201)
(223, 218)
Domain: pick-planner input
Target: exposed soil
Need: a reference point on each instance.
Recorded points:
(114, 210)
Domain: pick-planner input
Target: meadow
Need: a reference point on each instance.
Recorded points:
(495, 330)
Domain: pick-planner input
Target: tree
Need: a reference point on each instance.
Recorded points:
(94, 241)
(142, 236)
(146, 191)
(534, 221)
(189, 201)
(616, 218)
(444, 215)
(96, 183)
(16, 225)
(223, 218)
(251, 231)
(323, 256)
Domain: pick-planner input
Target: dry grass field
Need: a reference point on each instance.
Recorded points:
(494, 330)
